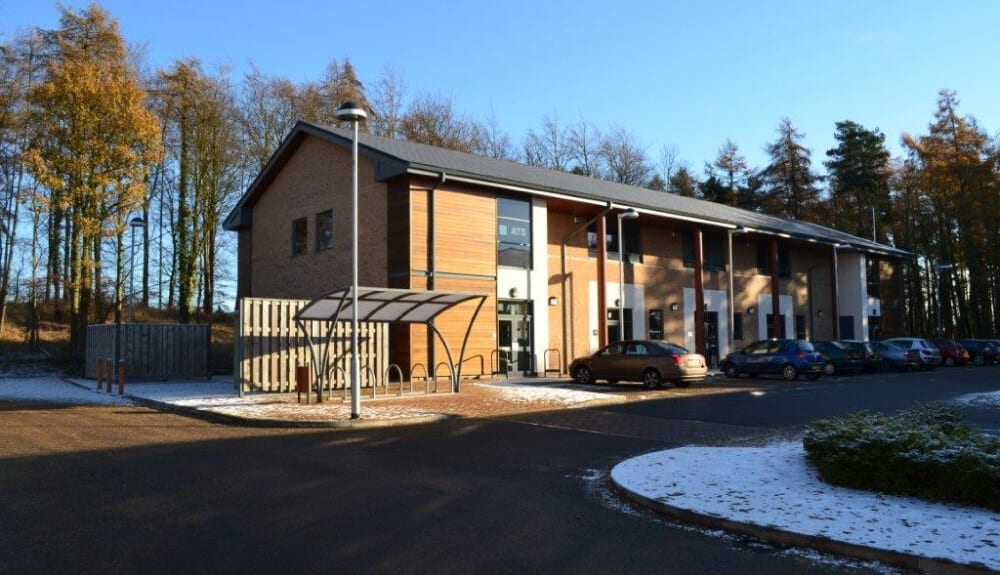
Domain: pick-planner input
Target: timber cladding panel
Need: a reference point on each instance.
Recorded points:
(270, 345)
(452, 230)
(452, 325)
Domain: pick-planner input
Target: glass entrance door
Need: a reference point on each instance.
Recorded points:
(514, 345)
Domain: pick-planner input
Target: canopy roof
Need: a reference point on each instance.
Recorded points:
(386, 305)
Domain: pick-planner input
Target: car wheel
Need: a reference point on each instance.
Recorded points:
(828, 368)
(682, 383)
(730, 370)
(651, 379)
(789, 372)
(583, 375)
(949, 361)
(979, 360)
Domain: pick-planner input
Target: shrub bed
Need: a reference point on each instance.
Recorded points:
(927, 452)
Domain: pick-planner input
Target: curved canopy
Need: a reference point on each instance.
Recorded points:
(385, 305)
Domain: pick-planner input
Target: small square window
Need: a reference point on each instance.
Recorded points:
(300, 228)
(324, 230)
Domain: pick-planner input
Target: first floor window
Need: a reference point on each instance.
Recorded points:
(324, 230)
(514, 233)
(300, 233)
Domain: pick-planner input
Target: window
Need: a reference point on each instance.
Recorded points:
(514, 233)
(737, 327)
(713, 251)
(764, 260)
(324, 230)
(299, 236)
(656, 324)
(631, 232)
(873, 276)
(800, 327)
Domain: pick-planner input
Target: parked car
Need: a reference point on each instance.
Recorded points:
(872, 359)
(929, 356)
(651, 362)
(952, 352)
(981, 351)
(786, 357)
(896, 358)
(840, 358)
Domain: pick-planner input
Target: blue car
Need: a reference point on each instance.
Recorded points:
(788, 358)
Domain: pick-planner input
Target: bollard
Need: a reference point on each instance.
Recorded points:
(302, 381)
(100, 374)
(121, 378)
(110, 370)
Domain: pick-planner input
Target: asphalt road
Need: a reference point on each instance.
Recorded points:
(129, 490)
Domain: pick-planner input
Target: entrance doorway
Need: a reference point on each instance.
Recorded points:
(514, 344)
(712, 338)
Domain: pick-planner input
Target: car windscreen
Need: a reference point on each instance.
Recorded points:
(805, 346)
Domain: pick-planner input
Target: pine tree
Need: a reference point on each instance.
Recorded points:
(790, 184)
(858, 171)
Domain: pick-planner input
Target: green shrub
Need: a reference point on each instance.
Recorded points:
(927, 452)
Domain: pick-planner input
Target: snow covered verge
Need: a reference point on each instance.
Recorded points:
(775, 487)
(52, 389)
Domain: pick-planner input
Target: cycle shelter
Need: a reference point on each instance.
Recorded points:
(384, 305)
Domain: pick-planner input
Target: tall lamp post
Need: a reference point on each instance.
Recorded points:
(629, 214)
(136, 224)
(353, 113)
(940, 268)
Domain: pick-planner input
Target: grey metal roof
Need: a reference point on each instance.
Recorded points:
(401, 155)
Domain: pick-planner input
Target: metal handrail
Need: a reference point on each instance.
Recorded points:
(482, 364)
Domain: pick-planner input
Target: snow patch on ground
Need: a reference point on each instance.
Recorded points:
(774, 486)
(557, 394)
(987, 399)
(52, 389)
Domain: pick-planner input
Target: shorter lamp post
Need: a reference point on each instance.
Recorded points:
(136, 224)
(940, 268)
(629, 214)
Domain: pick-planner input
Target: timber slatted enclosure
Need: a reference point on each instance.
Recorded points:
(151, 351)
(270, 345)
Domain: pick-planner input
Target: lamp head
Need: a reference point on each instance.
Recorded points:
(350, 112)
(629, 214)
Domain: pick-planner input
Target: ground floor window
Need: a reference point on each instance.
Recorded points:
(619, 330)
(656, 324)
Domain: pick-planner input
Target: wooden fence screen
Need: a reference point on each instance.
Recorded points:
(269, 346)
(151, 351)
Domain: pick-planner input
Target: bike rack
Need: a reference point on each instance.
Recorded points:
(387, 379)
(451, 373)
(545, 359)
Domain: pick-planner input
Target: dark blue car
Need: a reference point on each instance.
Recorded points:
(785, 357)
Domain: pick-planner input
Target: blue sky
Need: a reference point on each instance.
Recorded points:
(686, 74)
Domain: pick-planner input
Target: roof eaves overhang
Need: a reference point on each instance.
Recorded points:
(557, 194)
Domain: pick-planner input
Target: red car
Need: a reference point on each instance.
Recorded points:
(952, 352)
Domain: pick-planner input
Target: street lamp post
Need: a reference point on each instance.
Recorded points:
(629, 214)
(136, 224)
(353, 113)
(940, 268)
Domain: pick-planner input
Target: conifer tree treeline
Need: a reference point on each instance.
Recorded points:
(88, 142)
